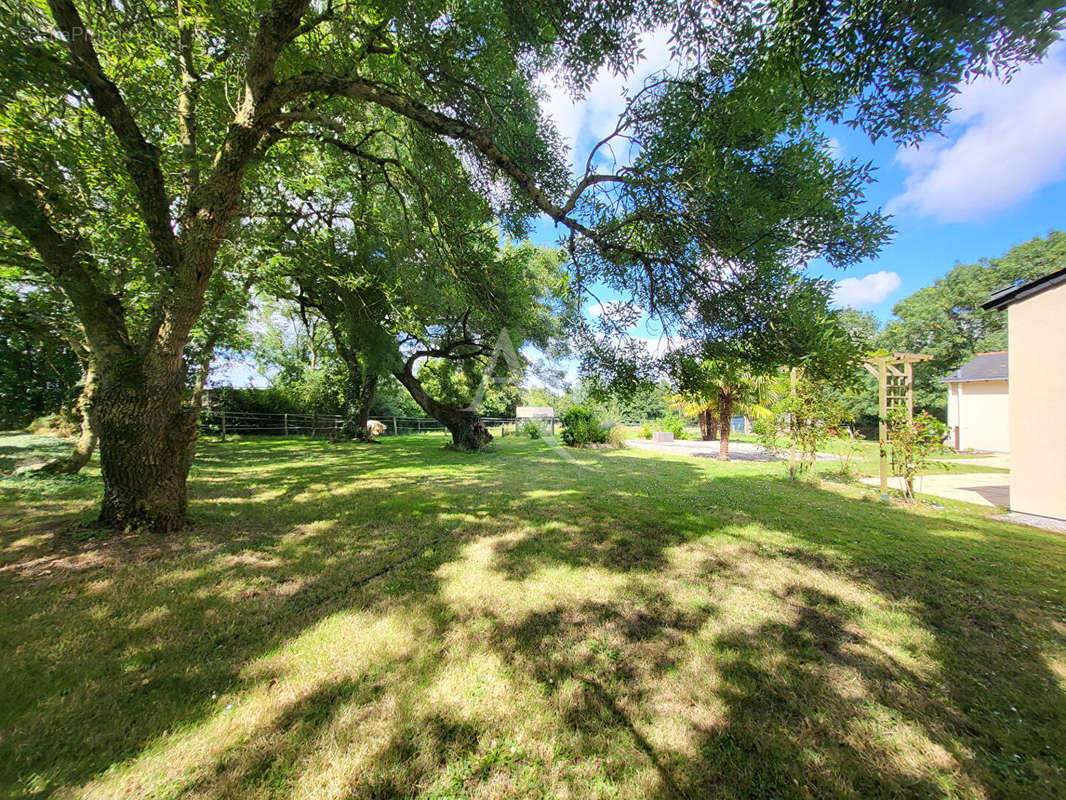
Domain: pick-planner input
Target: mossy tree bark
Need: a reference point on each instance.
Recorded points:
(708, 424)
(464, 424)
(146, 446)
(360, 391)
(86, 443)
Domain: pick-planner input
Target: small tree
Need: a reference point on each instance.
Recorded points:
(715, 390)
(808, 414)
(912, 443)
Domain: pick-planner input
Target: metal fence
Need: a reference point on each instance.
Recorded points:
(328, 426)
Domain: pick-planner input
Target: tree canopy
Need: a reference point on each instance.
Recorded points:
(138, 143)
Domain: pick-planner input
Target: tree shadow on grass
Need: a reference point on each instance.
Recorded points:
(716, 662)
(988, 720)
(124, 640)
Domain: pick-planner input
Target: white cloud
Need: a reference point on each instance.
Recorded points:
(594, 117)
(835, 148)
(866, 291)
(1005, 142)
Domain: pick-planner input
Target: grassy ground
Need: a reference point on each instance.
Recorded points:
(862, 456)
(399, 620)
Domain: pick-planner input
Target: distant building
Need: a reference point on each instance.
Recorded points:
(532, 412)
(1036, 327)
(978, 415)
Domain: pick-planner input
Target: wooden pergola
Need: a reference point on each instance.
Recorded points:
(895, 387)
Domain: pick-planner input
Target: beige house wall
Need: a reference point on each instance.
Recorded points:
(1037, 327)
(980, 411)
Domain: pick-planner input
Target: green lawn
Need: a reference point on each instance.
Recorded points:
(399, 620)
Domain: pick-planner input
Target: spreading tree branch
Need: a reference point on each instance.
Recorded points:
(141, 157)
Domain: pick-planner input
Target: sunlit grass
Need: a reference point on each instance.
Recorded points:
(399, 620)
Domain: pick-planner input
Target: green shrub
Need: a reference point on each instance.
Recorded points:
(645, 430)
(616, 436)
(912, 443)
(674, 425)
(531, 429)
(582, 426)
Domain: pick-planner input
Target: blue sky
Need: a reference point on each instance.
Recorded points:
(996, 177)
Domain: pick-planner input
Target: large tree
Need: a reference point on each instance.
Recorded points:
(131, 136)
(402, 260)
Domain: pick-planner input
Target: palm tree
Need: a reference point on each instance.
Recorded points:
(718, 389)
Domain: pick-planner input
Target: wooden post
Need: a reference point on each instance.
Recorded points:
(223, 424)
(553, 426)
(314, 424)
(908, 376)
(886, 368)
(395, 432)
(418, 422)
(882, 423)
(286, 424)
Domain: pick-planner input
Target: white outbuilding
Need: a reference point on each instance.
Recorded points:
(978, 410)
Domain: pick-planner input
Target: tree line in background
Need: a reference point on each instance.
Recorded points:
(946, 321)
(167, 166)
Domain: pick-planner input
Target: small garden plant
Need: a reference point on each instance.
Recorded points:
(581, 426)
(672, 424)
(912, 443)
(531, 428)
(800, 422)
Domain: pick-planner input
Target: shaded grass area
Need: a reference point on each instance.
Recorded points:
(399, 620)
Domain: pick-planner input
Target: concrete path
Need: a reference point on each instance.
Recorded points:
(1000, 460)
(738, 451)
(981, 488)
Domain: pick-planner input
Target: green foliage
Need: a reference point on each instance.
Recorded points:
(458, 384)
(39, 369)
(912, 443)
(850, 448)
(806, 413)
(671, 423)
(616, 436)
(645, 430)
(580, 426)
(532, 429)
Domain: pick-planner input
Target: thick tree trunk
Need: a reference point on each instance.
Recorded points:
(83, 448)
(465, 425)
(147, 440)
(360, 391)
(708, 425)
(725, 427)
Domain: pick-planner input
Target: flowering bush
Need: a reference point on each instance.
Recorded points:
(912, 442)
